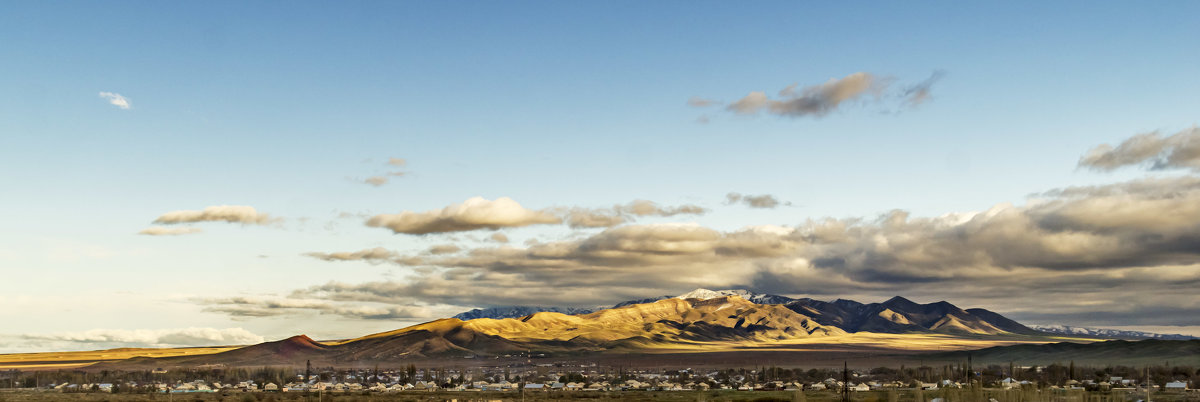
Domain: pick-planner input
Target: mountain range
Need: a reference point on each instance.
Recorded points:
(1108, 333)
(897, 315)
(702, 324)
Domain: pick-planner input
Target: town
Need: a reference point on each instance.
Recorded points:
(567, 379)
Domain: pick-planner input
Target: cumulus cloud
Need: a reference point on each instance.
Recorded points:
(117, 100)
(821, 99)
(476, 213)
(1103, 245)
(166, 231)
(754, 201)
(398, 162)
(619, 214)
(103, 338)
(220, 213)
(1153, 150)
(498, 237)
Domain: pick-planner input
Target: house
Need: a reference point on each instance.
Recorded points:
(535, 387)
(1176, 386)
(861, 387)
(270, 387)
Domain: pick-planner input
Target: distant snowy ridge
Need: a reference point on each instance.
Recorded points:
(1107, 333)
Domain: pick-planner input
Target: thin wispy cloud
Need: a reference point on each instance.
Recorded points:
(618, 214)
(1151, 150)
(193, 336)
(822, 99)
(765, 201)
(166, 231)
(220, 213)
(117, 100)
(385, 177)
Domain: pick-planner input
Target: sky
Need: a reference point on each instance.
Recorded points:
(230, 172)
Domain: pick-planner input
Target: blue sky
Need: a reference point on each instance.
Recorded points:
(287, 108)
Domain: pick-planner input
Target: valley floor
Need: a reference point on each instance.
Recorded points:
(859, 349)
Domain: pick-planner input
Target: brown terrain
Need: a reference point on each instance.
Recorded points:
(724, 331)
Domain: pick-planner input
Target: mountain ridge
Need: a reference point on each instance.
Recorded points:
(1108, 333)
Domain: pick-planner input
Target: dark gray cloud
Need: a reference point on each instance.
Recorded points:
(1152, 150)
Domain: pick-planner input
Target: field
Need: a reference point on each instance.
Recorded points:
(859, 349)
(68, 360)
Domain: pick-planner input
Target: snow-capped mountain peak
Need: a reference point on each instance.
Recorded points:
(705, 294)
(759, 298)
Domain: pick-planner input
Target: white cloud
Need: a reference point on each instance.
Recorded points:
(117, 100)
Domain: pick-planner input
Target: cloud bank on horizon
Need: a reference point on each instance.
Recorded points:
(1128, 248)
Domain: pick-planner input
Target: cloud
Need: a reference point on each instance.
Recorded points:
(150, 337)
(117, 100)
(373, 255)
(919, 93)
(383, 178)
(498, 237)
(165, 231)
(1176, 151)
(257, 307)
(754, 201)
(619, 214)
(697, 101)
(817, 100)
(376, 180)
(822, 99)
(220, 213)
(443, 249)
(476, 213)
(1104, 246)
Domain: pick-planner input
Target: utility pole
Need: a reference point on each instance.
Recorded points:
(1149, 384)
(845, 382)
